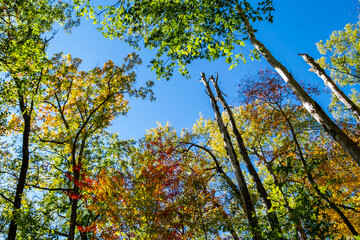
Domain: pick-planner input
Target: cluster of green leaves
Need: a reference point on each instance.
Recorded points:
(342, 54)
(181, 31)
(342, 57)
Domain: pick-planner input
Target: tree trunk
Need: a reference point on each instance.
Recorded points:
(76, 190)
(272, 217)
(23, 171)
(310, 105)
(316, 68)
(83, 236)
(73, 216)
(240, 179)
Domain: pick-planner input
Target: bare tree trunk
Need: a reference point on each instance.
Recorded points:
(310, 105)
(316, 68)
(272, 217)
(240, 179)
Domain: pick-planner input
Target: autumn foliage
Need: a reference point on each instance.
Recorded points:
(298, 156)
(274, 166)
(161, 197)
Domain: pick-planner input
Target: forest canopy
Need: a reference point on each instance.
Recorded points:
(271, 162)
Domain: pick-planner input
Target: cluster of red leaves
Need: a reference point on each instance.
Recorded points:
(163, 180)
(268, 86)
(90, 228)
(82, 182)
(179, 187)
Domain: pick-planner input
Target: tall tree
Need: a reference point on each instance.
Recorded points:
(248, 204)
(160, 191)
(76, 108)
(266, 87)
(23, 42)
(341, 58)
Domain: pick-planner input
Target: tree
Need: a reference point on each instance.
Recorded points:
(248, 205)
(22, 58)
(341, 57)
(293, 159)
(187, 30)
(267, 88)
(161, 191)
(76, 108)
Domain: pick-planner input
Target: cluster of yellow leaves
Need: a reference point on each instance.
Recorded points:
(341, 178)
(77, 102)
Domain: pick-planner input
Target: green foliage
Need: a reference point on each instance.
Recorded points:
(342, 54)
(342, 57)
(181, 31)
(166, 186)
(26, 29)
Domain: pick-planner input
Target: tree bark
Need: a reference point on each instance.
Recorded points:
(74, 207)
(240, 179)
(23, 171)
(272, 217)
(316, 68)
(310, 105)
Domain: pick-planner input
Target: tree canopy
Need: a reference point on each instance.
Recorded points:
(272, 165)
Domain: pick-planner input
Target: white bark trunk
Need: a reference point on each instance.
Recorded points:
(316, 68)
(240, 179)
(310, 105)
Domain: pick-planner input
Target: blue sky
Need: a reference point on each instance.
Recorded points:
(297, 26)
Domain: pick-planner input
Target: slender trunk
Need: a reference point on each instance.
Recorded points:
(23, 171)
(311, 106)
(220, 170)
(240, 179)
(84, 236)
(316, 68)
(76, 189)
(272, 217)
(73, 217)
(74, 207)
(313, 183)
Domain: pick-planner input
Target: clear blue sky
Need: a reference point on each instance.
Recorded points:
(297, 26)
